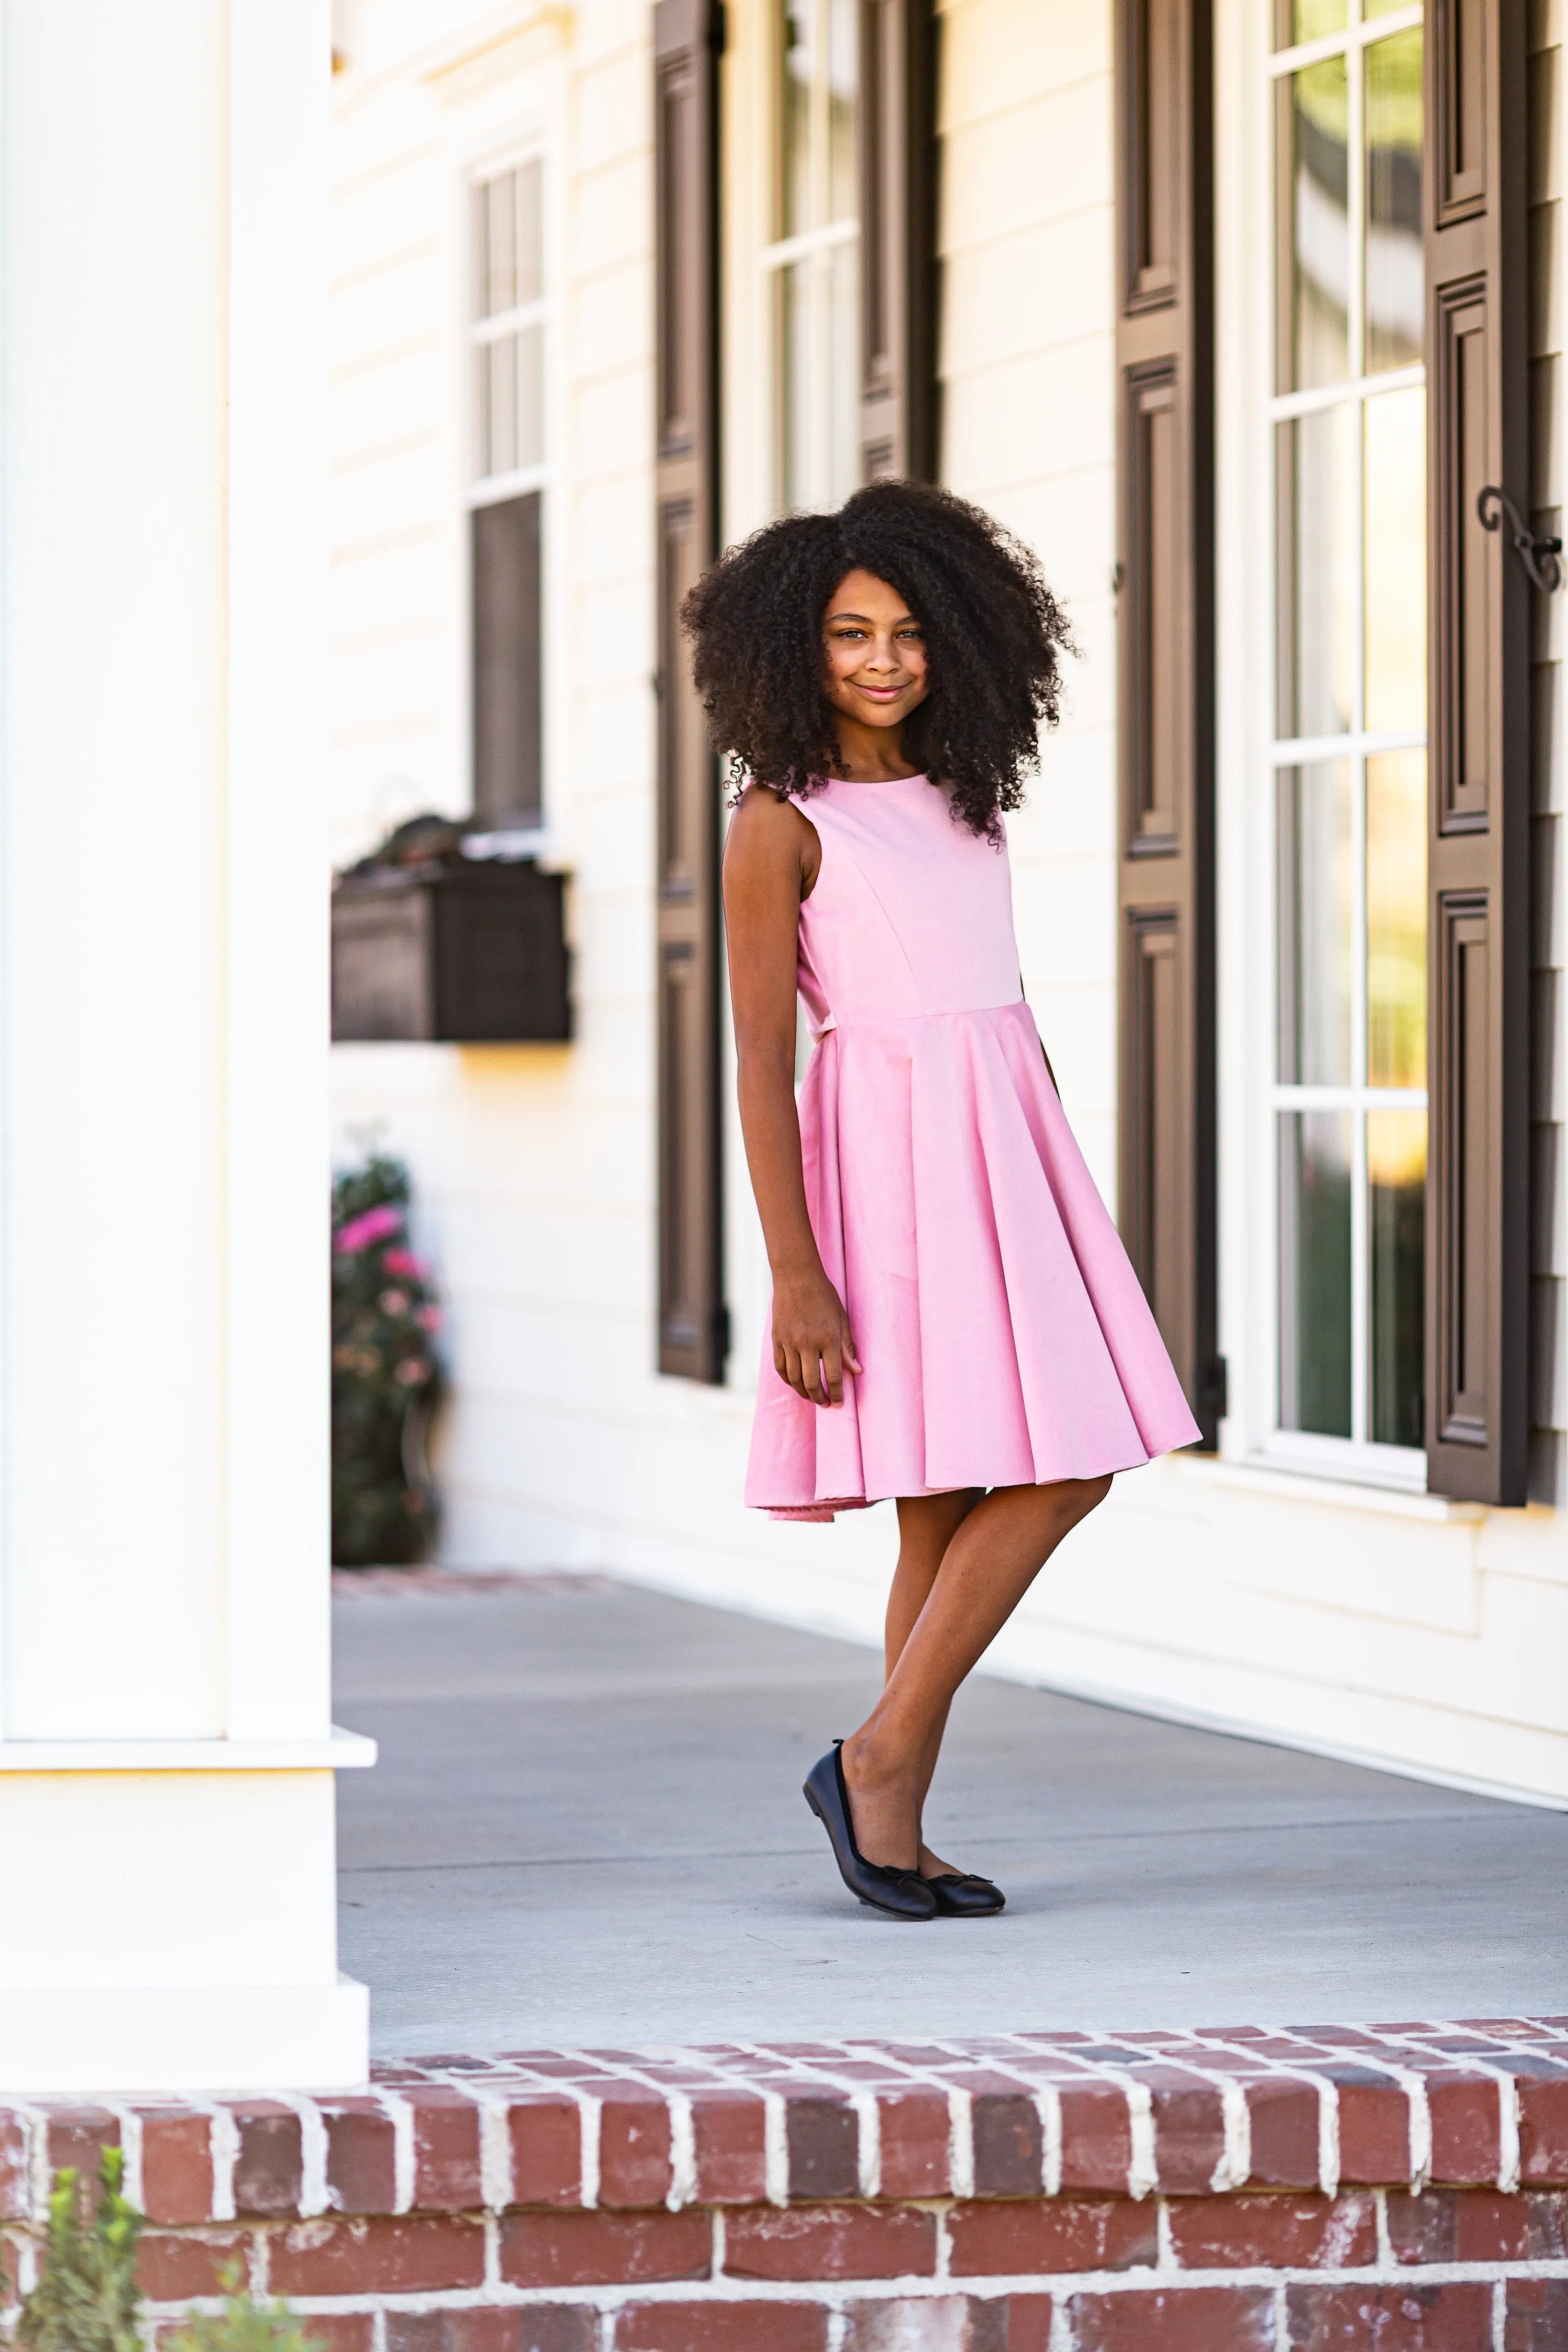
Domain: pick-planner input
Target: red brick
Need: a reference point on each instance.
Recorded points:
(361, 2156)
(916, 2137)
(1448, 2225)
(1189, 2129)
(1028, 2322)
(1548, 2235)
(730, 2130)
(830, 2241)
(1009, 2144)
(722, 2327)
(1456, 2319)
(541, 2328)
(1537, 2315)
(268, 2168)
(545, 2133)
(341, 2331)
(1543, 2129)
(446, 2176)
(942, 2323)
(413, 2254)
(1009, 2240)
(604, 2249)
(16, 2187)
(823, 2135)
(1298, 2232)
(1200, 2319)
(1097, 2136)
(1284, 2115)
(1374, 2127)
(79, 2136)
(177, 2165)
(1465, 2127)
(173, 2268)
(634, 2148)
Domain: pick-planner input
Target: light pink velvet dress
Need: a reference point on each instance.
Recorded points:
(1003, 1333)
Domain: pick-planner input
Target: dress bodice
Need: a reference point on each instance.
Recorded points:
(911, 913)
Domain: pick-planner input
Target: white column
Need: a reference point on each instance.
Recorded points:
(166, 1756)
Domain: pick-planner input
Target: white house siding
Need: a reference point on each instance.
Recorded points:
(1395, 1626)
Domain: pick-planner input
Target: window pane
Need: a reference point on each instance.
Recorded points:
(1395, 526)
(1318, 560)
(1311, 17)
(1396, 277)
(1315, 279)
(1396, 1179)
(1315, 1272)
(499, 276)
(1315, 881)
(796, 340)
(1396, 920)
(797, 75)
(842, 82)
(528, 233)
(497, 405)
(844, 298)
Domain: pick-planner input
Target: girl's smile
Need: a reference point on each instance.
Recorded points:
(875, 671)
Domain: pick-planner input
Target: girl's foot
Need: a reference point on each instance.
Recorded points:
(883, 1808)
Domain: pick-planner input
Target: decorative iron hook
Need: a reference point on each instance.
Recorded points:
(1539, 557)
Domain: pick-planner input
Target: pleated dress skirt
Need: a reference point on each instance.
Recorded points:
(1003, 1337)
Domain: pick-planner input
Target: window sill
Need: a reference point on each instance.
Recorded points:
(1262, 1478)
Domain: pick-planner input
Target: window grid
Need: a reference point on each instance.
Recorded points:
(508, 318)
(1356, 745)
(811, 266)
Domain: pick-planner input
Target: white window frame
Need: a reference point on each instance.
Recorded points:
(1250, 756)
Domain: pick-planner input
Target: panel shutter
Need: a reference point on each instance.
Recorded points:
(691, 1317)
(898, 239)
(1165, 662)
(1478, 1210)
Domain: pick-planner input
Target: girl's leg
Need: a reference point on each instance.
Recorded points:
(992, 1557)
(927, 1525)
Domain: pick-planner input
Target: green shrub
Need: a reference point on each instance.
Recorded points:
(386, 1375)
(242, 2325)
(87, 2298)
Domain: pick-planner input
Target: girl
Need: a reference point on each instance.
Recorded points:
(954, 1321)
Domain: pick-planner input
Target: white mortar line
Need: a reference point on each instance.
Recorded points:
(776, 2148)
(682, 2149)
(495, 2149)
(960, 2140)
(40, 2179)
(1234, 2167)
(1499, 2316)
(590, 2112)
(868, 2139)
(404, 2153)
(223, 2150)
(1048, 2107)
(313, 2193)
(131, 2186)
(1061, 2336)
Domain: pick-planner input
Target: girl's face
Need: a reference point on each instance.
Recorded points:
(874, 652)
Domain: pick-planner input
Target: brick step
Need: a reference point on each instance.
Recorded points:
(1402, 2187)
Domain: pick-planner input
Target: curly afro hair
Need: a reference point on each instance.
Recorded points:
(994, 634)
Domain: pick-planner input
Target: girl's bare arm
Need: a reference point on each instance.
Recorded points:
(770, 864)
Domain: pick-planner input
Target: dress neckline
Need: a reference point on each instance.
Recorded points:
(856, 783)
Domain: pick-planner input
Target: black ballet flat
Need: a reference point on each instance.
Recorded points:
(962, 1895)
(901, 1894)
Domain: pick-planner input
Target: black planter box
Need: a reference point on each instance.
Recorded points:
(466, 953)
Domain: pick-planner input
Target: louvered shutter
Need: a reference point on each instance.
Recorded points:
(1165, 662)
(692, 1318)
(1477, 1207)
(898, 239)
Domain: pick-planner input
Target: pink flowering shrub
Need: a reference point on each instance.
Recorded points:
(386, 1376)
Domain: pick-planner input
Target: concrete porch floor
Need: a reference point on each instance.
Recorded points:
(586, 1829)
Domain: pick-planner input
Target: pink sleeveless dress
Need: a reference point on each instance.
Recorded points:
(1004, 1336)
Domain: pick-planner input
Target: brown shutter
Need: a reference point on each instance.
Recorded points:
(1477, 1212)
(1165, 660)
(692, 1318)
(898, 239)
(506, 739)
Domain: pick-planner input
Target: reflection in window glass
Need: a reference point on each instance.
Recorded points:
(1315, 918)
(843, 79)
(1396, 1202)
(1395, 562)
(1396, 280)
(1315, 1272)
(1310, 18)
(1316, 283)
(1396, 920)
(1318, 556)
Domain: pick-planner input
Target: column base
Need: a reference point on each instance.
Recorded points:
(174, 2038)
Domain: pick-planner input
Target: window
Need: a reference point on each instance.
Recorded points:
(507, 332)
(1347, 1107)
(814, 265)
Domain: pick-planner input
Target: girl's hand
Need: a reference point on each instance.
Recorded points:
(813, 1345)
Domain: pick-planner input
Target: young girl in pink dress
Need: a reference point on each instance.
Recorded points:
(955, 1323)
